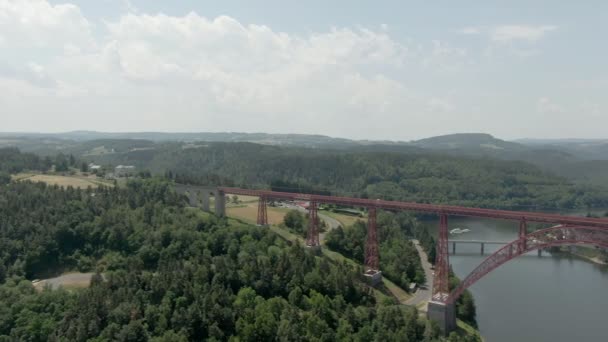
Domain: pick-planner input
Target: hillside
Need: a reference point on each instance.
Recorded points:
(468, 141)
(399, 176)
(566, 158)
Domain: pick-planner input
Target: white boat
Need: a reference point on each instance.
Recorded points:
(459, 231)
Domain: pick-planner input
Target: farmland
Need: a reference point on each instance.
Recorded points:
(76, 181)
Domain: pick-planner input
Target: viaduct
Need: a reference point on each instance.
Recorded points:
(565, 231)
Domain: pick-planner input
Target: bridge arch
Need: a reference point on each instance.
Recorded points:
(561, 235)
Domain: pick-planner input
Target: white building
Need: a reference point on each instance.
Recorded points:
(94, 167)
(124, 170)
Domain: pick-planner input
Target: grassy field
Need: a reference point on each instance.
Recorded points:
(345, 220)
(76, 181)
(246, 199)
(249, 213)
(68, 281)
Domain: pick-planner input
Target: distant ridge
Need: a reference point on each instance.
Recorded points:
(467, 141)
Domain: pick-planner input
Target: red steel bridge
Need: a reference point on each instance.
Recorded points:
(566, 230)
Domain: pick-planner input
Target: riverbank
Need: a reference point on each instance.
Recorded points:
(587, 254)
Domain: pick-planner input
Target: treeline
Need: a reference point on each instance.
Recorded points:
(394, 176)
(172, 273)
(13, 161)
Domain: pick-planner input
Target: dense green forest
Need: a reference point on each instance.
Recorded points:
(13, 161)
(170, 273)
(428, 177)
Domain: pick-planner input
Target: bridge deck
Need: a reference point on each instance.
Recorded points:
(426, 208)
(480, 241)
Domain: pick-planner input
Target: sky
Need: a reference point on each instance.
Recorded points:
(390, 70)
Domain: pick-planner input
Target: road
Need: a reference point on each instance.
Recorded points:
(331, 222)
(423, 294)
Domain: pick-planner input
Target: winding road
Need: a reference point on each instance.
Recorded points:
(423, 294)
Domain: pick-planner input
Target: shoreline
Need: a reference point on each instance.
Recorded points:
(594, 260)
(591, 259)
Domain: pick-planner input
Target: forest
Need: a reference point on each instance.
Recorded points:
(411, 176)
(164, 272)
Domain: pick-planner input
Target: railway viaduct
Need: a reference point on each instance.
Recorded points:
(565, 230)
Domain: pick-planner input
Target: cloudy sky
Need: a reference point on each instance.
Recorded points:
(359, 69)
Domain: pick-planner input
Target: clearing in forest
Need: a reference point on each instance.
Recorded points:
(82, 182)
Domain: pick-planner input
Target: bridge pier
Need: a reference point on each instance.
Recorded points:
(444, 314)
(220, 203)
(192, 199)
(312, 236)
(482, 246)
(453, 247)
(205, 201)
(372, 257)
(262, 212)
(540, 252)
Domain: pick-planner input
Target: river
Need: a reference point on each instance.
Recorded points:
(531, 298)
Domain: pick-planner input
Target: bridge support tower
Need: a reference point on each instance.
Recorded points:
(372, 257)
(205, 201)
(220, 203)
(262, 212)
(523, 230)
(312, 236)
(192, 198)
(439, 309)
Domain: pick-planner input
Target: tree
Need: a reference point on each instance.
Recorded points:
(5, 178)
(84, 167)
(61, 163)
(235, 199)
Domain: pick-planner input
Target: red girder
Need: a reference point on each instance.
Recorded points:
(555, 236)
(449, 210)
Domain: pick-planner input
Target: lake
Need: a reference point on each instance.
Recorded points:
(531, 298)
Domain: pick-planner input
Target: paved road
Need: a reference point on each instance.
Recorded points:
(423, 294)
(331, 222)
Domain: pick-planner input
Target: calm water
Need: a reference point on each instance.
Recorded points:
(532, 298)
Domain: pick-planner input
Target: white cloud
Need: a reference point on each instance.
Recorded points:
(510, 33)
(158, 72)
(546, 106)
(37, 24)
(592, 109)
(195, 47)
(191, 72)
(470, 30)
(441, 105)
